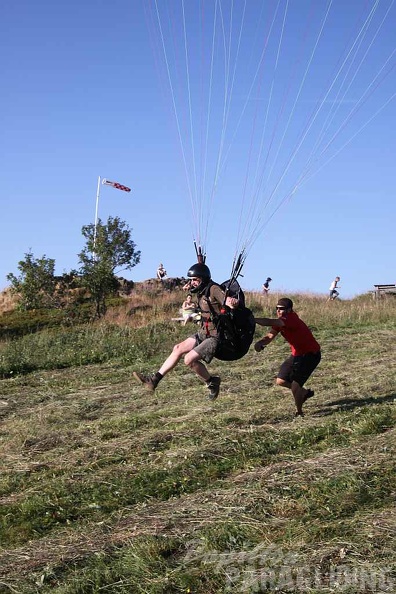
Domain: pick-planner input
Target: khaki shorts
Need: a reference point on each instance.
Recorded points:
(205, 347)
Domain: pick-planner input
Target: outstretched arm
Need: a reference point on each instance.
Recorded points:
(276, 324)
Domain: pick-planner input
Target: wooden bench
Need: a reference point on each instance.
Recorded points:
(196, 319)
(383, 290)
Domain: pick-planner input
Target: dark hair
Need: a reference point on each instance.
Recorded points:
(285, 302)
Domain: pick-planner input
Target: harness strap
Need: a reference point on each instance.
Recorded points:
(212, 312)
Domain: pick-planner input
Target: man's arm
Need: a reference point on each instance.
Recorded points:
(263, 342)
(276, 324)
(218, 294)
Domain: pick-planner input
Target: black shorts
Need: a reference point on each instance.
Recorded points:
(299, 368)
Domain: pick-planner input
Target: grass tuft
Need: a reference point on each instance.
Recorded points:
(107, 488)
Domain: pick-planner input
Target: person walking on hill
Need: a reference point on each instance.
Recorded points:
(305, 351)
(333, 289)
(266, 286)
(202, 345)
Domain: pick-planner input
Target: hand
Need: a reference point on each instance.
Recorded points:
(259, 346)
(232, 302)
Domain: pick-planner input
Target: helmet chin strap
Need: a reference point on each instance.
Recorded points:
(201, 287)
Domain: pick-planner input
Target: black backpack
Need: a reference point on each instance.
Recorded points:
(235, 327)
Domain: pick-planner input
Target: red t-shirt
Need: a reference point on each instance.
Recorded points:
(298, 335)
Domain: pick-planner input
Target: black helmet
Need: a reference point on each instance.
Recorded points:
(201, 271)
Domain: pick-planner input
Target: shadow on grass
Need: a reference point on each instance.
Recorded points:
(346, 404)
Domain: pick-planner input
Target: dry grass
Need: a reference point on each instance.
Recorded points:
(252, 486)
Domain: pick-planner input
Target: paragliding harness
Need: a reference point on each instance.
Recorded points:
(235, 327)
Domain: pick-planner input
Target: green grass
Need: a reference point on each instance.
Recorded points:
(107, 488)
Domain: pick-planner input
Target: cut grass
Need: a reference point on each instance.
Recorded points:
(107, 488)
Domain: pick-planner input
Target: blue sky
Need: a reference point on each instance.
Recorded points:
(87, 92)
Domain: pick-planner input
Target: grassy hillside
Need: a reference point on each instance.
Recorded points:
(106, 488)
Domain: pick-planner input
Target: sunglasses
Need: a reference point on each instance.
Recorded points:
(281, 308)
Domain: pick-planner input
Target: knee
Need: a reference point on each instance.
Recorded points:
(189, 360)
(178, 351)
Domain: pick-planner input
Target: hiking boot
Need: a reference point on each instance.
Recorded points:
(214, 387)
(149, 381)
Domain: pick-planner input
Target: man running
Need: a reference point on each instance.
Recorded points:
(305, 357)
(333, 289)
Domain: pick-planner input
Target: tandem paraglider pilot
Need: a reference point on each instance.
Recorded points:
(202, 346)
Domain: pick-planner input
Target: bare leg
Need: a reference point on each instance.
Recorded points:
(177, 353)
(283, 383)
(192, 359)
(298, 392)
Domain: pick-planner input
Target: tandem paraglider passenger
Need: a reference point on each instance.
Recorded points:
(203, 345)
(305, 357)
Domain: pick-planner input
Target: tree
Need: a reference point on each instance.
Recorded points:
(36, 285)
(111, 248)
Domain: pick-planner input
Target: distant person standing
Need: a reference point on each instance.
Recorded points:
(266, 286)
(161, 272)
(333, 289)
